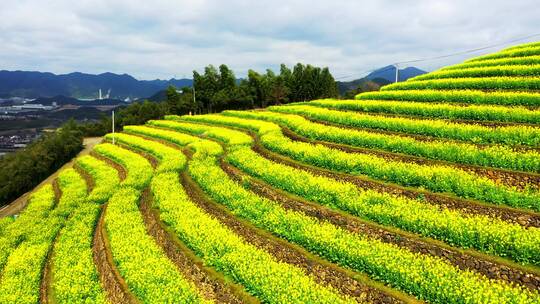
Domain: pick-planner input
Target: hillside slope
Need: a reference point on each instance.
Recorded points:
(510, 77)
(427, 191)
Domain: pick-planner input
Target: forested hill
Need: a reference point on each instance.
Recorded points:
(80, 85)
(86, 86)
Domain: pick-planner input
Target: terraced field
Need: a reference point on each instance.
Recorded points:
(427, 191)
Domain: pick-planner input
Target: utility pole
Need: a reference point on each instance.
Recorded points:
(397, 72)
(113, 127)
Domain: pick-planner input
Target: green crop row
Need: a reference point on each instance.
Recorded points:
(434, 178)
(4, 223)
(521, 52)
(494, 156)
(150, 276)
(174, 137)
(261, 274)
(106, 178)
(428, 278)
(75, 278)
(258, 271)
(531, 60)
(486, 234)
(21, 277)
(435, 110)
(509, 135)
(224, 135)
(170, 159)
(464, 96)
(139, 169)
(490, 71)
(28, 223)
(522, 46)
(481, 232)
(483, 83)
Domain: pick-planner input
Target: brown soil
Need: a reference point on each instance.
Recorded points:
(491, 123)
(460, 258)
(518, 179)
(90, 184)
(520, 217)
(152, 159)
(45, 287)
(486, 123)
(345, 281)
(425, 138)
(122, 173)
(57, 192)
(149, 157)
(498, 90)
(159, 140)
(111, 280)
(206, 279)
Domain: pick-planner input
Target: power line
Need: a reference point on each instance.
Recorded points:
(470, 51)
(393, 66)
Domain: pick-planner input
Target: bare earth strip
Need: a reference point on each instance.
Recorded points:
(518, 179)
(325, 273)
(208, 281)
(462, 259)
(518, 216)
(113, 283)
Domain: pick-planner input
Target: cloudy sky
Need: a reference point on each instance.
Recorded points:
(164, 38)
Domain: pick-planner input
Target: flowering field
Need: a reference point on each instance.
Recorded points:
(426, 191)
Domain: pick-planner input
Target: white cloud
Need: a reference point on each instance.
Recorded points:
(161, 38)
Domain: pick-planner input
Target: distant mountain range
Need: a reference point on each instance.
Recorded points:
(80, 85)
(86, 86)
(380, 77)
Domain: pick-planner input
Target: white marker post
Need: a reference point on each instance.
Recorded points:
(113, 141)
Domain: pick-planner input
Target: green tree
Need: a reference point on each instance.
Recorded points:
(219, 90)
(227, 80)
(179, 102)
(172, 101)
(328, 84)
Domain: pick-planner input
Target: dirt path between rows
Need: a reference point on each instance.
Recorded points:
(459, 258)
(111, 280)
(20, 203)
(521, 217)
(325, 273)
(504, 177)
(485, 123)
(46, 273)
(208, 281)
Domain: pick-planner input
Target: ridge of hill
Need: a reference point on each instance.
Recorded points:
(29, 84)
